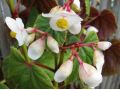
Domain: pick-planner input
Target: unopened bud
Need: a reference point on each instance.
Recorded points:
(91, 28)
(36, 49)
(89, 75)
(64, 71)
(53, 44)
(104, 45)
(98, 60)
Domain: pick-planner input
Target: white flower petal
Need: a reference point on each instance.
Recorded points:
(19, 23)
(91, 28)
(98, 60)
(89, 75)
(64, 71)
(53, 44)
(104, 45)
(11, 23)
(21, 37)
(49, 15)
(36, 49)
(75, 29)
(30, 38)
(75, 18)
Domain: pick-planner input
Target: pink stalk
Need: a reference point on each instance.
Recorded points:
(67, 5)
(79, 59)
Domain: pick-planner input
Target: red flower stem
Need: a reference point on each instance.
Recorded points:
(79, 59)
(39, 31)
(77, 56)
(78, 45)
(16, 10)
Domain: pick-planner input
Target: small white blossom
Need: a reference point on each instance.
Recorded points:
(89, 75)
(104, 45)
(62, 20)
(36, 49)
(64, 71)
(17, 29)
(53, 44)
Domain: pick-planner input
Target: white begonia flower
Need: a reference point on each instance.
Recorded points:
(53, 44)
(36, 49)
(98, 60)
(89, 75)
(64, 71)
(17, 29)
(63, 20)
(91, 28)
(104, 45)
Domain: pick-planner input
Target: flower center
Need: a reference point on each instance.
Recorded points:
(62, 23)
(12, 34)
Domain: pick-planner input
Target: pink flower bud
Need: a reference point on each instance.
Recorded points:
(36, 49)
(53, 44)
(104, 45)
(64, 71)
(89, 75)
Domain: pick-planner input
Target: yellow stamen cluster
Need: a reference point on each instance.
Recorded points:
(12, 34)
(62, 23)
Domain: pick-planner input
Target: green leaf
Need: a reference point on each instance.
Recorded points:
(86, 54)
(3, 86)
(48, 60)
(72, 39)
(91, 37)
(32, 17)
(42, 23)
(18, 74)
(87, 5)
(11, 4)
